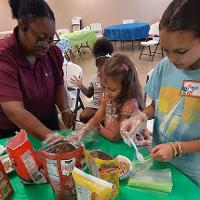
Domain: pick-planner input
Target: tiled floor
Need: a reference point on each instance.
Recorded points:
(87, 62)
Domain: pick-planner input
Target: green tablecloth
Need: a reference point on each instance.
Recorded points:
(79, 38)
(183, 188)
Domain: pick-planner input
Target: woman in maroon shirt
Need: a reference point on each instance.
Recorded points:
(31, 82)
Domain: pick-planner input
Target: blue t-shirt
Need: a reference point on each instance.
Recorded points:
(165, 87)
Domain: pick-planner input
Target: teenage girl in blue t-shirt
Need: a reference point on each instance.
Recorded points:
(175, 90)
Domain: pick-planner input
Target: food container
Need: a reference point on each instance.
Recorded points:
(5, 187)
(125, 167)
(59, 159)
(2, 149)
(7, 164)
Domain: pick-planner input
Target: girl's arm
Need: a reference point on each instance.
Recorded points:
(88, 92)
(149, 110)
(97, 119)
(94, 122)
(192, 146)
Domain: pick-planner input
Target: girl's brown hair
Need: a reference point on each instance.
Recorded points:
(121, 66)
(182, 15)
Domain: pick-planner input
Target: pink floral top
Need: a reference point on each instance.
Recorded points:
(111, 118)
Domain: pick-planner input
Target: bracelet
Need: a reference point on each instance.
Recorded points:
(180, 151)
(175, 153)
(66, 111)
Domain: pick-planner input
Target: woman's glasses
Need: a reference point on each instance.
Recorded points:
(42, 42)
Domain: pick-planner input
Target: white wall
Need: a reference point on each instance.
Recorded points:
(6, 22)
(108, 12)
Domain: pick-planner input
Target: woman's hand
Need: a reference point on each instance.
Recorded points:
(67, 118)
(52, 137)
(162, 152)
(76, 81)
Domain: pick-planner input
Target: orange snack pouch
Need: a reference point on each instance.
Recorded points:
(26, 162)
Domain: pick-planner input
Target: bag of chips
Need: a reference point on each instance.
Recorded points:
(59, 159)
(89, 187)
(5, 187)
(26, 162)
(103, 166)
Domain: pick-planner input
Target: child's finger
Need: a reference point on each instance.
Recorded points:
(75, 78)
(154, 150)
(157, 157)
(72, 80)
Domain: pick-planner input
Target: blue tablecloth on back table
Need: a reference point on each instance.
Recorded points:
(123, 32)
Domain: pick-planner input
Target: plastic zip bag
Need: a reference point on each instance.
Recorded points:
(147, 163)
(153, 179)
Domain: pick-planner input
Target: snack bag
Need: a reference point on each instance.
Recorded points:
(103, 166)
(5, 187)
(89, 187)
(25, 160)
(59, 159)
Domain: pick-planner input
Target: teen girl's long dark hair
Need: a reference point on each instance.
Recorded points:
(182, 15)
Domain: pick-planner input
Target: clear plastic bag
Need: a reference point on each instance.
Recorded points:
(140, 166)
(158, 180)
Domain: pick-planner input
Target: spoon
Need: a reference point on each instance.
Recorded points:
(138, 154)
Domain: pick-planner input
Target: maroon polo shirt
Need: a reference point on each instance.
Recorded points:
(33, 85)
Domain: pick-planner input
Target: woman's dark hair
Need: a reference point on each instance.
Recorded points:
(121, 66)
(182, 15)
(102, 47)
(26, 9)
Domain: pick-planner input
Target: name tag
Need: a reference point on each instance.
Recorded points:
(191, 88)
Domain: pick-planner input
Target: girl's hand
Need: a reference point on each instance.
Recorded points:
(76, 81)
(162, 152)
(76, 136)
(134, 124)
